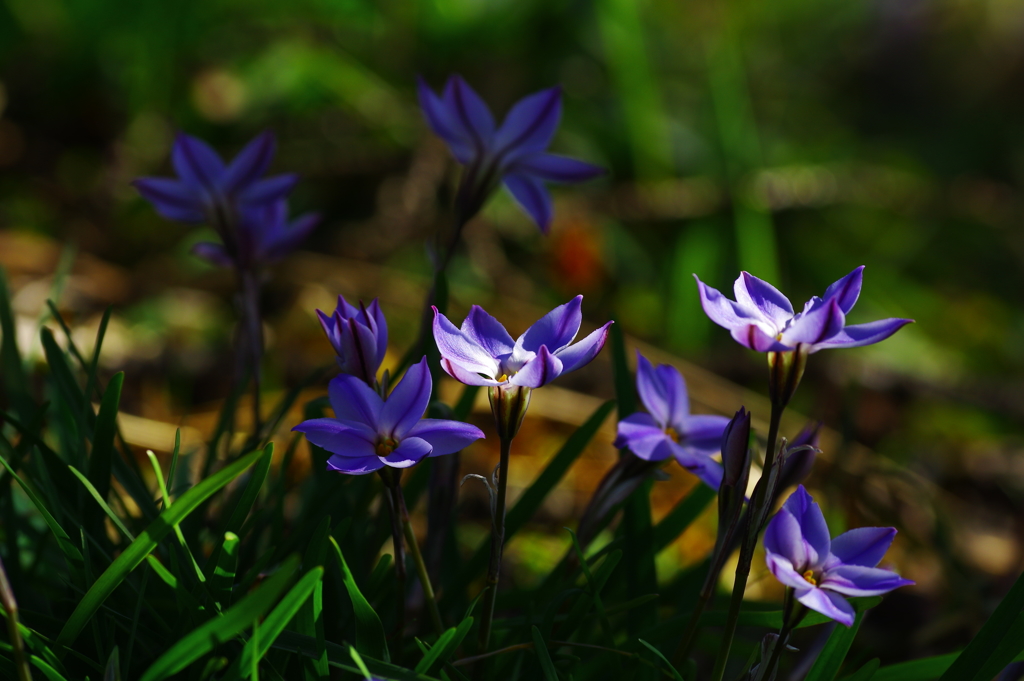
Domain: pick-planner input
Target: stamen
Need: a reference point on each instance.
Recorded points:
(386, 446)
(809, 576)
(502, 378)
(672, 433)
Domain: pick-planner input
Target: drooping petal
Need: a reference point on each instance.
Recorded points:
(540, 370)
(729, 314)
(815, 325)
(354, 466)
(196, 163)
(813, 528)
(783, 537)
(409, 452)
(783, 570)
(652, 391)
(532, 196)
(459, 349)
(754, 337)
(556, 329)
(865, 334)
(446, 437)
(338, 438)
(466, 377)
(445, 124)
(704, 432)
(642, 435)
(581, 353)
(530, 124)
(269, 190)
(858, 580)
(555, 168)
(829, 604)
(172, 199)
(407, 402)
(488, 332)
(863, 546)
(212, 253)
(698, 463)
(470, 110)
(250, 163)
(763, 297)
(710, 473)
(353, 400)
(846, 290)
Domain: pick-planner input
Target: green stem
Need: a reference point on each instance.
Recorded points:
(706, 592)
(497, 544)
(789, 624)
(759, 498)
(421, 567)
(391, 484)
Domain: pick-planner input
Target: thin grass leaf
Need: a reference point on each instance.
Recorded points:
(671, 670)
(162, 484)
(370, 638)
(585, 601)
(310, 618)
(213, 633)
(144, 545)
(972, 659)
(113, 670)
(102, 503)
(540, 647)
(682, 516)
(432, 653)
(92, 378)
(865, 673)
(70, 551)
(246, 500)
(1011, 645)
(13, 371)
(339, 657)
(831, 658)
(359, 662)
(224, 573)
(594, 590)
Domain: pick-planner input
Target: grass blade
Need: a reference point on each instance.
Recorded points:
(830, 660)
(69, 550)
(865, 673)
(541, 649)
(94, 493)
(370, 638)
(972, 659)
(103, 436)
(672, 670)
(223, 576)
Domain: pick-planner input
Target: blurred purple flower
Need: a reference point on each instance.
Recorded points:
(762, 319)
(482, 352)
(264, 235)
(368, 432)
(360, 337)
(670, 430)
(513, 153)
(821, 570)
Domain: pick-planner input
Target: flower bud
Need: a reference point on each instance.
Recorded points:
(785, 369)
(508, 404)
(798, 465)
(359, 336)
(736, 457)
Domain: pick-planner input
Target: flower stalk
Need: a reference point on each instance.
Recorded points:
(391, 479)
(497, 545)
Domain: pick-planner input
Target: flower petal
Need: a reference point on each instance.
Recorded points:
(172, 199)
(471, 111)
(704, 432)
(465, 377)
(863, 546)
(487, 332)
(338, 438)
(652, 390)
(212, 253)
(530, 124)
(407, 402)
(698, 463)
(813, 528)
(731, 315)
(858, 580)
(758, 294)
(556, 329)
(196, 163)
(783, 570)
(538, 371)
(280, 243)
(446, 437)
(532, 196)
(353, 400)
(846, 290)
(457, 348)
(555, 168)
(583, 352)
(445, 124)
(816, 325)
(784, 537)
(354, 466)
(641, 434)
(250, 163)
(828, 604)
(754, 337)
(409, 452)
(865, 334)
(379, 326)
(269, 190)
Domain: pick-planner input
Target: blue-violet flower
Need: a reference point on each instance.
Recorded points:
(359, 336)
(264, 235)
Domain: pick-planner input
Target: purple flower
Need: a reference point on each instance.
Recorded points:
(360, 337)
(669, 429)
(482, 352)
(368, 432)
(821, 570)
(513, 153)
(264, 235)
(762, 319)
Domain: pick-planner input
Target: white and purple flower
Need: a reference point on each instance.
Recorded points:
(821, 570)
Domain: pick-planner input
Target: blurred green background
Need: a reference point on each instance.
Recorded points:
(796, 139)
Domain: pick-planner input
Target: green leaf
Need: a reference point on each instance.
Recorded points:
(625, 394)
(311, 620)
(541, 649)
(224, 573)
(102, 503)
(245, 502)
(49, 672)
(103, 436)
(339, 657)
(830, 660)
(370, 638)
(972, 660)
(144, 545)
(865, 673)
(70, 551)
(11, 369)
(433, 652)
(113, 669)
(213, 633)
(672, 670)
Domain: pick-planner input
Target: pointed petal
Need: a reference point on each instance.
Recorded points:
(196, 163)
(459, 349)
(346, 309)
(355, 466)
(487, 332)
(539, 371)
(642, 436)
(828, 604)
(556, 329)
(338, 438)
(555, 168)
(846, 290)
(332, 329)
(698, 463)
(816, 325)
(464, 376)
(863, 546)
(532, 196)
(858, 580)
(380, 325)
(583, 352)
(407, 402)
(676, 396)
(172, 199)
(445, 123)
(704, 432)
(760, 295)
(353, 400)
(813, 529)
(783, 537)
(409, 452)
(285, 241)
(651, 391)
(865, 334)
(710, 473)
(783, 570)
(470, 111)
(731, 315)
(269, 190)
(212, 253)
(754, 337)
(446, 437)
(530, 124)
(250, 163)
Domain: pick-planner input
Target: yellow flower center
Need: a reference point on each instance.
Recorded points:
(502, 378)
(672, 433)
(809, 576)
(386, 446)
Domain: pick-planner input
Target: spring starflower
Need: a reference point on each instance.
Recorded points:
(368, 432)
(821, 570)
(513, 154)
(264, 234)
(359, 336)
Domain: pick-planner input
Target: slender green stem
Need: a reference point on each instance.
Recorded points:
(793, 613)
(706, 592)
(253, 333)
(11, 606)
(421, 567)
(757, 501)
(497, 544)
(395, 513)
